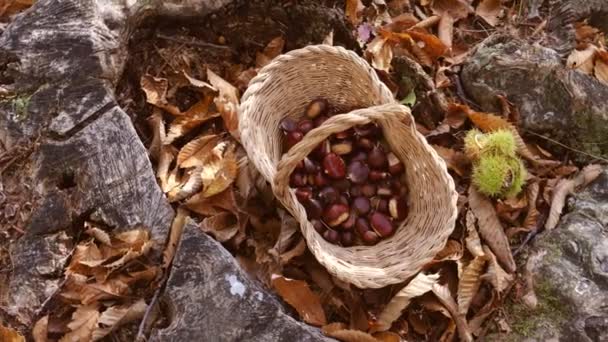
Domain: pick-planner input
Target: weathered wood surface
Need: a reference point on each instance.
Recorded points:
(63, 60)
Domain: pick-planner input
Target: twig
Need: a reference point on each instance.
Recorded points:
(140, 331)
(539, 28)
(428, 22)
(193, 42)
(49, 298)
(566, 146)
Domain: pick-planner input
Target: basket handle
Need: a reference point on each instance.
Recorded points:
(335, 124)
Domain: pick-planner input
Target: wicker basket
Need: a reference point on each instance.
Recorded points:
(283, 88)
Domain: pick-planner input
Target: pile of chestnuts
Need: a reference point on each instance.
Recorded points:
(351, 185)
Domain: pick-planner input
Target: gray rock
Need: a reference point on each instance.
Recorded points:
(563, 104)
(570, 268)
(212, 299)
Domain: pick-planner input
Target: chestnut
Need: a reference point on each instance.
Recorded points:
(381, 224)
(395, 167)
(331, 236)
(303, 194)
(297, 180)
(292, 138)
(375, 175)
(370, 237)
(361, 205)
(347, 239)
(329, 195)
(368, 190)
(343, 185)
(334, 166)
(318, 121)
(377, 158)
(335, 214)
(362, 226)
(314, 209)
(310, 166)
(384, 190)
(318, 226)
(305, 126)
(317, 107)
(397, 207)
(380, 204)
(320, 179)
(350, 222)
(355, 191)
(359, 156)
(365, 144)
(342, 147)
(357, 172)
(288, 125)
(369, 129)
(322, 150)
(343, 200)
(344, 134)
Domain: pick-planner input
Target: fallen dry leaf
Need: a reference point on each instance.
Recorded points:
(168, 180)
(582, 60)
(387, 336)
(567, 186)
(10, 335)
(472, 239)
(84, 321)
(495, 274)
(445, 30)
(289, 229)
(600, 70)
(352, 10)
(470, 280)
(340, 332)
(455, 160)
(40, 330)
(191, 183)
(227, 102)
(489, 10)
(118, 315)
(156, 89)
(273, 49)
(297, 294)
(456, 115)
(531, 220)
(457, 9)
(197, 115)
(490, 228)
(452, 251)
(219, 174)
(445, 297)
(381, 53)
(475, 324)
(175, 235)
(209, 206)
(585, 32)
(157, 125)
(222, 226)
(418, 286)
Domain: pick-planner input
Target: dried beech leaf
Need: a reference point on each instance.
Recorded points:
(381, 53)
(445, 297)
(197, 83)
(470, 280)
(99, 234)
(156, 93)
(495, 274)
(289, 228)
(455, 160)
(475, 324)
(117, 316)
(567, 186)
(222, 226)
(531, 219)
(445, 30)
(40, 330)
(490, 122)
(218, 176)
(489, 10)
(175, 235)
(457, 9)
(387, 336)
(167, 182)
(84, 321)
(196, 152)
(273, 49)
(429, 43)
(352, 10)
(452, 251)
(491, 229)
(157, 125)
(297, 294)
(209, 206)
(192, 183)
(600, 70)
(418, 286)
(582, 60)
(472, 240)
(456, 115)
(340, 332)
(9, 335)
(197, 115)
(227, 102)
(296, 251)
